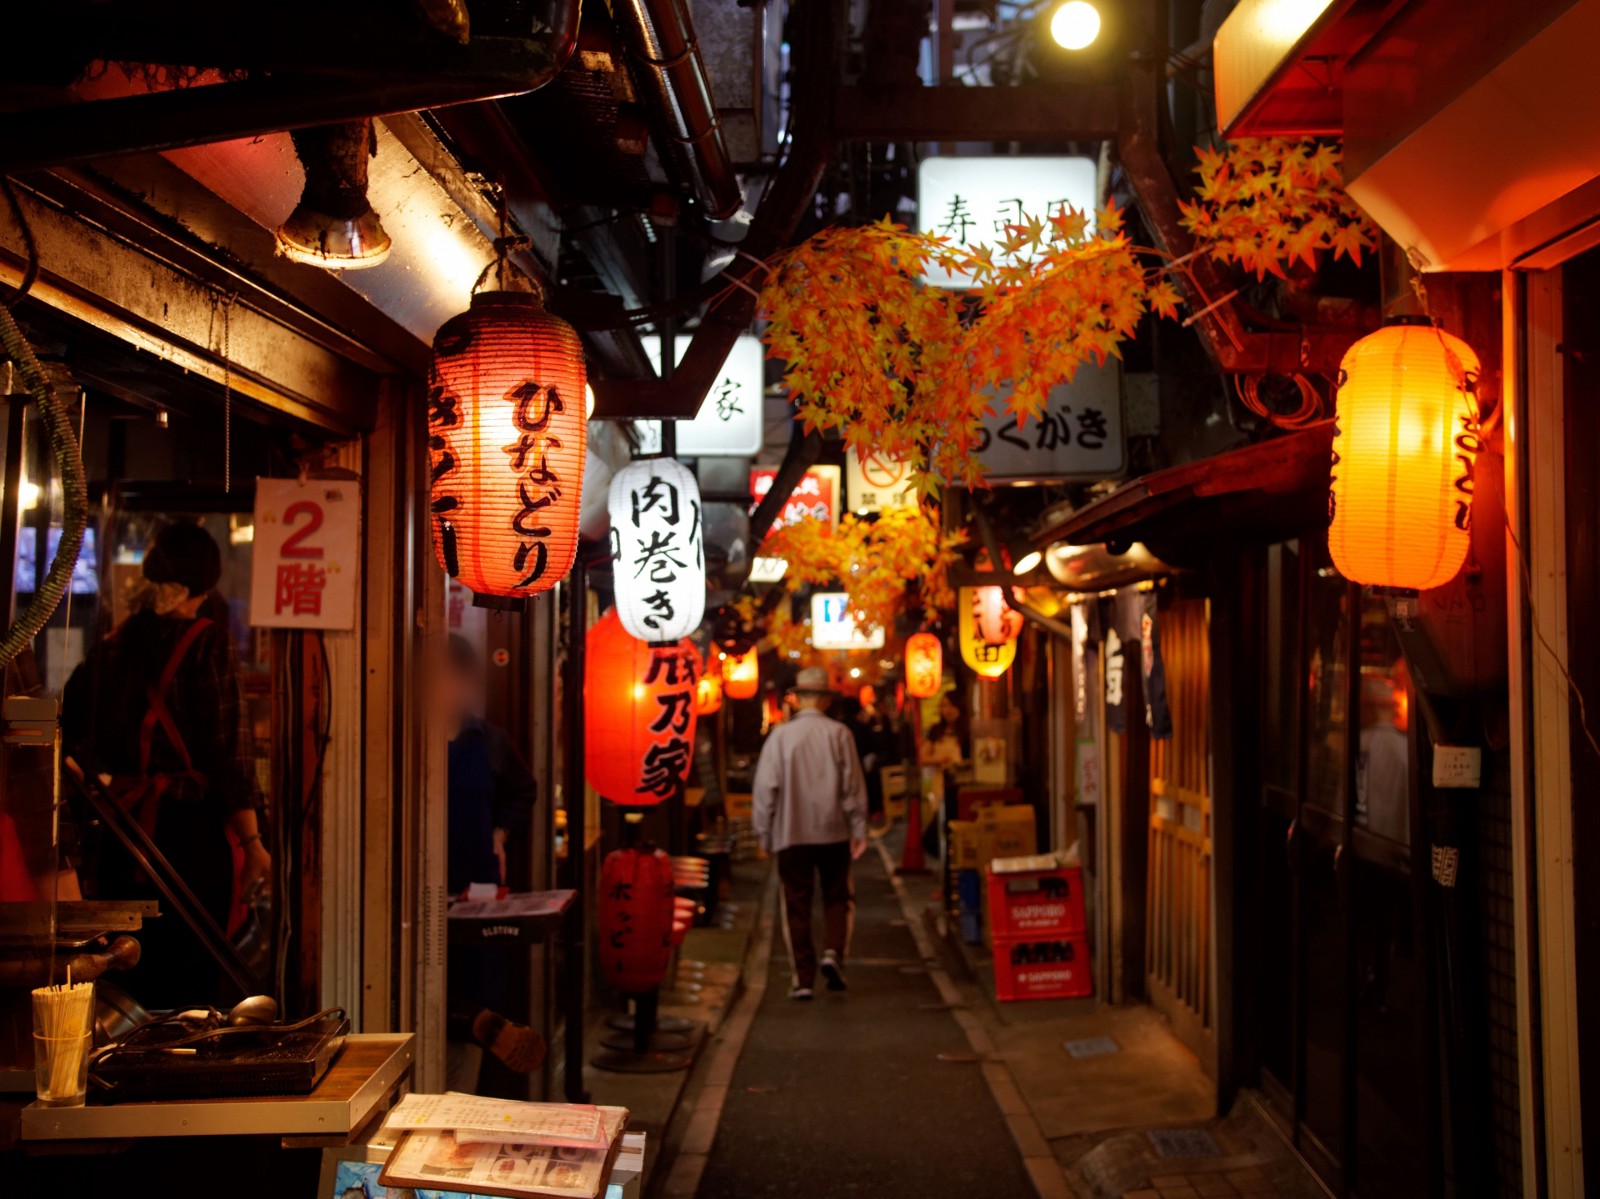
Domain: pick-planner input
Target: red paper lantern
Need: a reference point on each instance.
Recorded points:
(998, 621)
(506, 440)
(637, 913)
(639, 714)
(741, 674)
(708, 694)
(924, 665)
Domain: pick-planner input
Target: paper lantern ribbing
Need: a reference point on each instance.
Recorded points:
(998, 621)
(987, 660)
(741, 674)
(506, 444)
(657, 556)
(1399, 501)
(708, 693)
(639, 714)
(637, 912)
(924, 665)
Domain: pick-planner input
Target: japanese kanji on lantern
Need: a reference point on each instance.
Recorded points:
(639, 714)
(998, 621)
(303, 554)
(658, 560)
(708, 693)
(1400, 496)
(987, 660)
(741, 674)
(924, 665)
(636, 918)
(506, 442)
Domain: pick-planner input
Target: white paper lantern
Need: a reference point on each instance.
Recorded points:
(657, 555)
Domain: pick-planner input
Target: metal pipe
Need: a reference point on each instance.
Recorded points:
(661, 41)
(575, 938)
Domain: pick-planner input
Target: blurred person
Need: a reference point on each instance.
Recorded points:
(156, 707)
(874, 742)
(946, 745)
(810, 808)
(491, 798)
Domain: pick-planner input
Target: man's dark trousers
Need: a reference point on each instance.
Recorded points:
(799, 866)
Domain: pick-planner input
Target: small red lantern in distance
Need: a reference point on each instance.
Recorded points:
(639, 714)
(636, 918)
(506, 444)
(741, 674)
(708, 694)
(924, 665)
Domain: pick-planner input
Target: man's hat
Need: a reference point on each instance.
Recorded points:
(813, 680)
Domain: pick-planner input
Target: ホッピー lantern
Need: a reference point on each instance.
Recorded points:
(708, 694)
(741, 674)
(924, 665)
(1399, 501)
(639, 714)
(986, 659)
(998, 621)
(506, 444)
(637, 911)
(657, 558)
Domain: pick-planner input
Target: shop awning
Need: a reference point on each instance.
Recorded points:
(1264, 492)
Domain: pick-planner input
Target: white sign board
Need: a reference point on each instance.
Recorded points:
(1079, 435)
(833, 625)
(730, 423)
(971, 200)
(877, 483)
(303, 558)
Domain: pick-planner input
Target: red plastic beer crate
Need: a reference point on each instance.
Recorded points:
(1048, 968)
(1042, 903)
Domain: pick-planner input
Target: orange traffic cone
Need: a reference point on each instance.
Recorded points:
(912, 860)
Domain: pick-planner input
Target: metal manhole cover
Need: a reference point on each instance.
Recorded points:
(1091, 1047)
(1183, 1142)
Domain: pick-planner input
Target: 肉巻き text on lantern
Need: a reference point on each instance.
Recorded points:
(657, 553)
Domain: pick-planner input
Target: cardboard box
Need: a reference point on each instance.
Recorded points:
(964, 845)
(1005, 832)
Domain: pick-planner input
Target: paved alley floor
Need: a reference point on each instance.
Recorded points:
(848, 1095)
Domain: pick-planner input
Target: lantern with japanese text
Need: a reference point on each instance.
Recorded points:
(741, 674)
(708, 693)
(998, 621)
(639, 714)
(506, 444)
(657, 558)
(1399, 500)
(986, 659)
(924, 665)
(637, 911)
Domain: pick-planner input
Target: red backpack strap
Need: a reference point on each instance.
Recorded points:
(158, 712)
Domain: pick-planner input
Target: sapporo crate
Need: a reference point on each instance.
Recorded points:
(1043, 903)
(1051, 968)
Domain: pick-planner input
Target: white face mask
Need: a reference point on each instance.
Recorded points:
(169, 597)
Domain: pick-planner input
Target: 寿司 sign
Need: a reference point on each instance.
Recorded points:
(815, 497)
(971, 200)
(834, 625)
(306, 544)
(730, 420)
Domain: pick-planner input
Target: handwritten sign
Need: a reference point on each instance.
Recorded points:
(878, 482)
(816, 497)
(731, 421)
(1079, 436)
(307, 543)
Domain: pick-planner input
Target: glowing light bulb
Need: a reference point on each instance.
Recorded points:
(1075, 25)
(1028, 562)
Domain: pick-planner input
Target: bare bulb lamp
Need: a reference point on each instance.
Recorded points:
(1075, 25)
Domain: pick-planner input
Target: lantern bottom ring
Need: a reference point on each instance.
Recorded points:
(500, 603)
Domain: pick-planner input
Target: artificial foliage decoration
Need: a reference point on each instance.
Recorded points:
(639, 714)
(1406, 439)
(907, 371)
(506, 445)
(658, 561)
(1271, 203)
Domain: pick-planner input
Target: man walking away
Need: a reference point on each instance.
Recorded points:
(811, 810)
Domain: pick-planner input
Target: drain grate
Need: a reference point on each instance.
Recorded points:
(1092, 1047)
(1183, 1142)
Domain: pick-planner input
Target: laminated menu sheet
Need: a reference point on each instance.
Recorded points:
(476, 1118)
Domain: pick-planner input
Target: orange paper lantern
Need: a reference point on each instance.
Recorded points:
(506, 442)
(1399, 501)
(741, 674)
(708, 694)
(637, 914)
(924, 665)
(986, 659)
(639, 714)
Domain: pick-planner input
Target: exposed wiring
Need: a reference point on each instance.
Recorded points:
(29, 245)
(1308, 412)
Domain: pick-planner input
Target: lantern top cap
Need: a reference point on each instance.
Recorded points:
(1409, 319)
(508, 299)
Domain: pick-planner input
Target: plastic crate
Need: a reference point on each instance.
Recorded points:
(1049, 968)
(1041, 903)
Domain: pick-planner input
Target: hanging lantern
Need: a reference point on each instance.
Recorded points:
(741, 674)
(924, 665)
(998, 621)
(506, 440)
(658, 560)
(639, 714)
(1399, 502)
(985, 658)
(708, 694)
(637, 912)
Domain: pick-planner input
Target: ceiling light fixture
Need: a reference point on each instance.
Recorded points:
(1075, 25)
(333, 226)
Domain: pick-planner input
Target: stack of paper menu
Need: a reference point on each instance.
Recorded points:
(502, 1147)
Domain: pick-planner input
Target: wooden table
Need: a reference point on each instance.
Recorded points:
(368, 1071)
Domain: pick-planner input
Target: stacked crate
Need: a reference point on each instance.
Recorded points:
(1039, 933)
